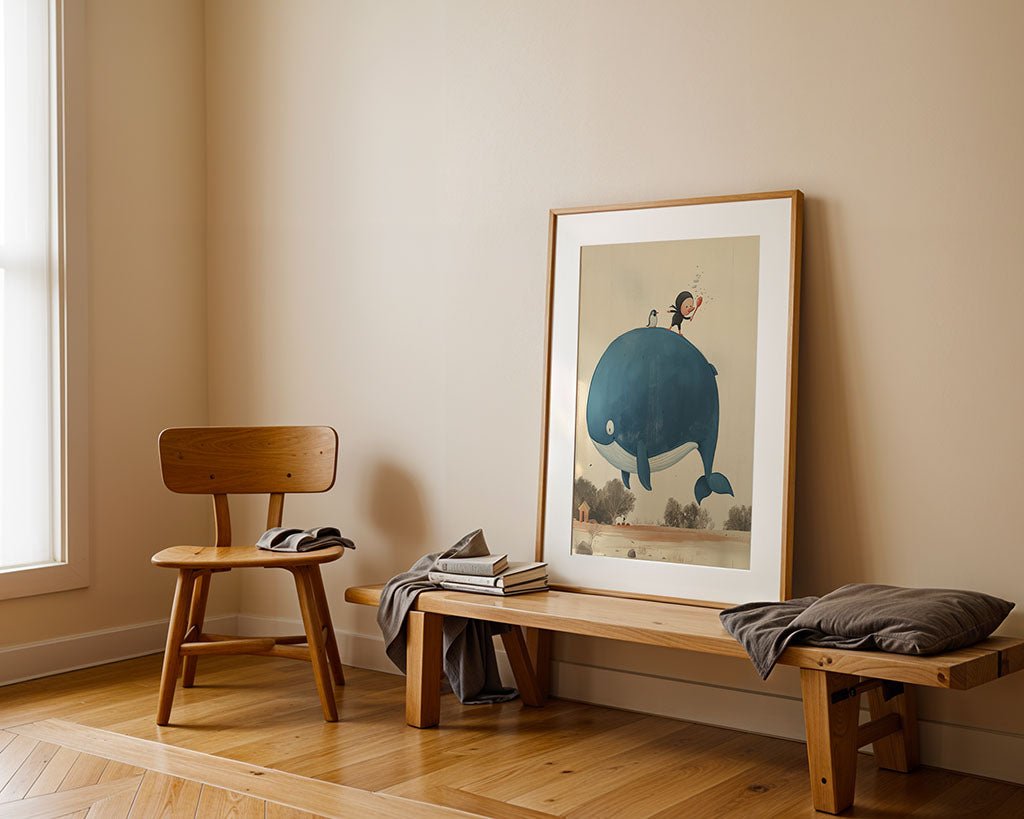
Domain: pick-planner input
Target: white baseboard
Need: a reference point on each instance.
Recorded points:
(48, 657)
(993, 754)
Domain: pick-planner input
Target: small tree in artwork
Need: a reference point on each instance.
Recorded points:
(739, 519)
(606, 504)
(696, 517)
(613, 501)
(673, 513)
(690, 516)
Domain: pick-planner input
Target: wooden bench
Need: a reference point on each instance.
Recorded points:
(831, 681)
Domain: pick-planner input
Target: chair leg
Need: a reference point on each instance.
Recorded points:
(315, 639)
(172, 651)
(333, 655)
(831, 738)
(196, 616)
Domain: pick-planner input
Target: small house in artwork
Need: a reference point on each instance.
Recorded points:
(584, 512)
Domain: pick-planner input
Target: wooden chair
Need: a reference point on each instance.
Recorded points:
(247, 460)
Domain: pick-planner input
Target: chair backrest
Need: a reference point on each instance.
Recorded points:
(248, 460)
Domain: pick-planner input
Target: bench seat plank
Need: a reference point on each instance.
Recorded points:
(694, 628)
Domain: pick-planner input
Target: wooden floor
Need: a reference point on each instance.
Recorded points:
(567, 759)
(59, 768)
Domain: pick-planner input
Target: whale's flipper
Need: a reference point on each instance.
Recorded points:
(625, 478)
(643, 466)
(715, 482)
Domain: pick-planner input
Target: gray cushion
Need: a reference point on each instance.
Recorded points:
(904, 621)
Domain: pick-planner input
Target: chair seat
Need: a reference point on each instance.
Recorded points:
(239, 557)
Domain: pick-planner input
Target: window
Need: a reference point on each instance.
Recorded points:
(36, 551)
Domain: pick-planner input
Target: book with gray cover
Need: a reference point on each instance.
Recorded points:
(484, 566)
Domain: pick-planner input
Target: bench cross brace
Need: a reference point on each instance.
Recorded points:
(889, 688)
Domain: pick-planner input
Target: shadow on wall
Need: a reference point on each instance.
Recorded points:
(399, 514)
(828, 529)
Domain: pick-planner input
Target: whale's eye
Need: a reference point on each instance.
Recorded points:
(610, 427)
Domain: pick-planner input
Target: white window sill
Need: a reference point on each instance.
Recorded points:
(52, 577)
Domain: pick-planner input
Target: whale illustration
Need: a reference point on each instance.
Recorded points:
(653, 400)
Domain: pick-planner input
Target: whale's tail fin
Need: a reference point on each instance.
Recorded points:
(715, 482)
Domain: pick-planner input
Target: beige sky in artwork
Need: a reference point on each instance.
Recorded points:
(619, 286)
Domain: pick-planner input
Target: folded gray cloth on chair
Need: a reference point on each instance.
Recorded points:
(469, 659)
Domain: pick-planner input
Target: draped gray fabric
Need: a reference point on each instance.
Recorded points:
(764, 630)
(868, 617)
(469, 660)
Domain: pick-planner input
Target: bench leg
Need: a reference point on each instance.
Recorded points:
(898, 751)
(423, 669)
(831, 738)
(519, 658)
(539, 642)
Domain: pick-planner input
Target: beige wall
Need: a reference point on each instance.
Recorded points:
(147, 311)
(362, 207)
(379, 181)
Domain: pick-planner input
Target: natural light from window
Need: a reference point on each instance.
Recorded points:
(30, 463)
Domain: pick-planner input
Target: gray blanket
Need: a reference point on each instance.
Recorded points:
(866, 616)
(764, 630)
(469, 660)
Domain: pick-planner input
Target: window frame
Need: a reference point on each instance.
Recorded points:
(71, 570)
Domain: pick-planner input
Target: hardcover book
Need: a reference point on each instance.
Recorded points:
(485, 566)
(521, 588)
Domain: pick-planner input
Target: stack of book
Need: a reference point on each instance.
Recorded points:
(490, 574)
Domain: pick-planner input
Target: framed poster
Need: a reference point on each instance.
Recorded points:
(670, 398)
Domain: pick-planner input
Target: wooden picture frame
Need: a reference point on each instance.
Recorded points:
(741, 256)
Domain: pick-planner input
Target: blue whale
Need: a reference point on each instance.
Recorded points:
(653, 400)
